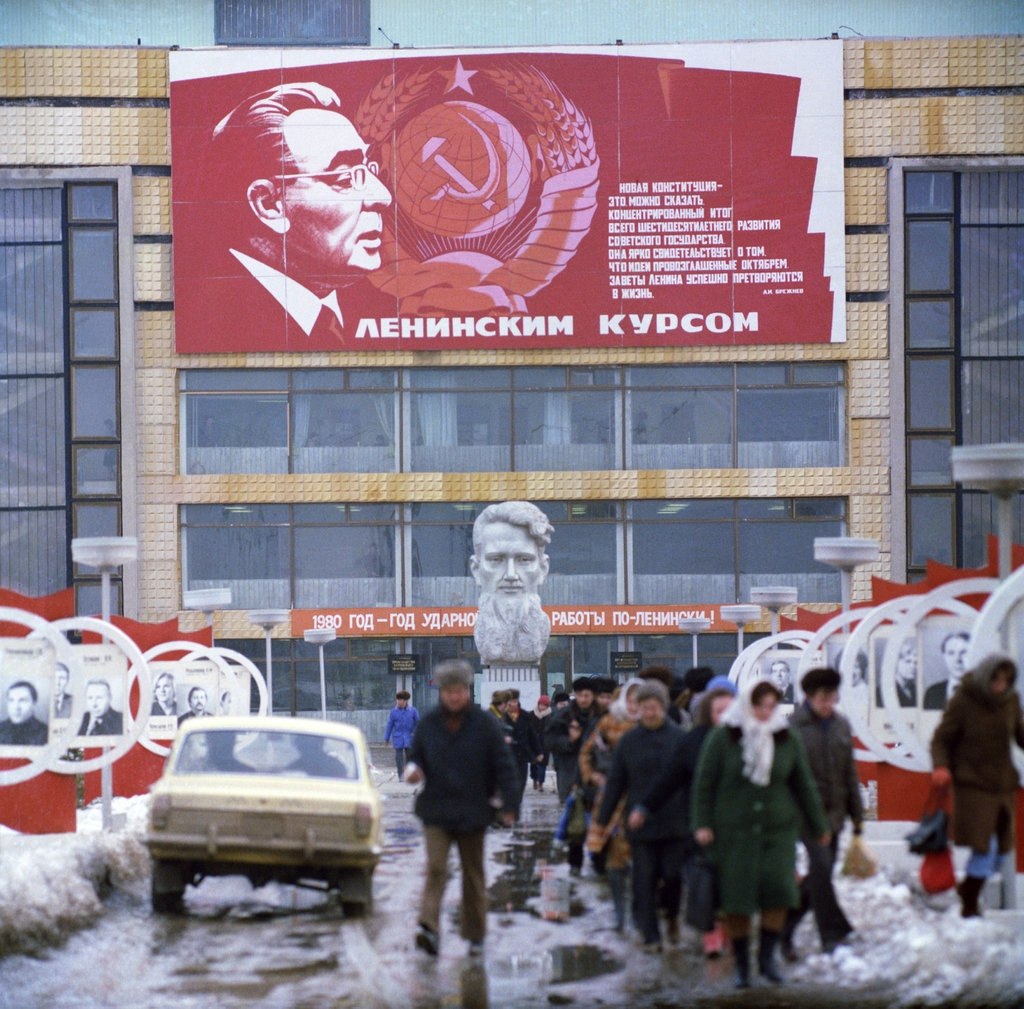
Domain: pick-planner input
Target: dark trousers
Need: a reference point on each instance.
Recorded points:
(538, 772)
(656, 862)
(817, 893)
(401, 759)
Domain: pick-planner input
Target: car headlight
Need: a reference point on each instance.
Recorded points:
(160, 811)
(364, 819)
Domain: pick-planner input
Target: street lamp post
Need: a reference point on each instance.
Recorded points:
(693, 626)
(107, 553)
(268, 620)
(207, 601)
(999, 469)
(321, 636)
(845, 553)
(740, 614)
(773, 598)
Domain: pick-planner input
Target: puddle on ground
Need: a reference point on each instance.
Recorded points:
(519, 883)
(577, 963)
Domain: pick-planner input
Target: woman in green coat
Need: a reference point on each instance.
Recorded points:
(751, 788)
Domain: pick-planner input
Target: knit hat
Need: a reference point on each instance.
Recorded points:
(544, 699)
(722, 683)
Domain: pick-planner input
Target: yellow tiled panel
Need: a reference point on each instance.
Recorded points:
(12, 73)
(154, 339)
(867, 329)
(155, 390)
(45, 135)
(867, 262)
(869, 441)
(853, 63)
(867, 128)
(878, 61)
(871, 516)
(920, 63)
(153, 276)
(152, 199)
(867, 196)
(868, 385)
(152, 79)
(157, 451)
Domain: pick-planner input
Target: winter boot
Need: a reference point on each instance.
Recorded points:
(969, 890)
(766, 956)
(741, 958)
(617, 885)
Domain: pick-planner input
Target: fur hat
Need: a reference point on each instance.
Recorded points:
(499, 697)
(584, 683)
(560, 697)
(653, 688)
(660, 673)
(453, 673)
(823, 678)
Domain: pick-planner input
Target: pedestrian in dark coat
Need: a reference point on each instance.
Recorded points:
(677, 777)
(971, 750)
(828, 741)
(526, 747)
(752, 787)
(659, 842)
(459, 753)
(563, 737)
(538, 720)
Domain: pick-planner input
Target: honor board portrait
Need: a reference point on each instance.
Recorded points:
(104, 691)
(26, 691)
(650, 195)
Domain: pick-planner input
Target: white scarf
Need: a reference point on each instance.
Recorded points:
(758, 738)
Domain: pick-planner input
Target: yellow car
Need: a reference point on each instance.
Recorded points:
(287, 799)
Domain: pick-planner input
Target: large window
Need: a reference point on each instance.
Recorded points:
(60, 438)
(964, 341)
(716, 551)
(723, 416)
(513, 419)
(304, 556)
(602, 552)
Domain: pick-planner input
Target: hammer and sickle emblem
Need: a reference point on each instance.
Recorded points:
(462, 188)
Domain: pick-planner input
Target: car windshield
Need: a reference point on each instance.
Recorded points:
(227, 751)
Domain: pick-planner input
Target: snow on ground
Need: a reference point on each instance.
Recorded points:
(916, 949)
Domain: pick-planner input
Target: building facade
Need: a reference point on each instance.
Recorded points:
(342, 485)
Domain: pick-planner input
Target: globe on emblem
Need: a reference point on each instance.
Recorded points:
(464, 170)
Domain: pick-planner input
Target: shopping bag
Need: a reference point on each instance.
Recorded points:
(931, 834)
(937, 872)
(860, 861)
(702, 894)
(576, 828)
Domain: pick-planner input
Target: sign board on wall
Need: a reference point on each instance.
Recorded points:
(531, 198)
(459, 621)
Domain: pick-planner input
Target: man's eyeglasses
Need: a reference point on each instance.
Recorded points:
(351, 178)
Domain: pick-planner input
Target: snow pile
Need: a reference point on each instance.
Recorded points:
(53, 885)
(918, 947)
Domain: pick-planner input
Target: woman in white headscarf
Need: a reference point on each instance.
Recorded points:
(752, 786)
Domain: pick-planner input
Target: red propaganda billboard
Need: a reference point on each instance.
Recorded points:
(537, 198)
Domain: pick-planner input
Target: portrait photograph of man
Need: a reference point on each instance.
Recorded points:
(21, 724)
(101, 717)
(778, 668)
(944, 645)
(62, 699)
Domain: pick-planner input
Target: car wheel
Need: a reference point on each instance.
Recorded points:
(167, 887)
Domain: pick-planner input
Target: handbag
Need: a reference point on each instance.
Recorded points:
(937, 873)
(702, 894)
(932, 833)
